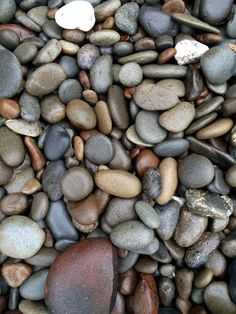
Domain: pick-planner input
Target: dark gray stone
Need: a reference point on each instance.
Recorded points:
(172, 147)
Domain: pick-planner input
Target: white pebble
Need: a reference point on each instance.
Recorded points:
(189, 51)
(76, 15)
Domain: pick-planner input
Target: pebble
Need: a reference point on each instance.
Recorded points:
(106, 9)
(12, 150)
(178, 118)
(128, 282)
(39, 206)
(121, 159)
(11, 77)
(147, 214)
(209, 106)
(101, 74)
(59, 222)
(52, 109)
(23, 127)
(228, 245)
(122, 48)
(7, 9)
(13, 204)
(200, 123)
(38, 14)
(48, 53)
(189, 51)
(218, 128)
(146, 159)
(230, 176)
(231, 273)
(76, 184)
(152, 97)
(96, 277)
(6, 173)
(126, 18)
(131, 74)
(151, 184)
(56, 142)
(193, 84)
(131, 235)
(69, 66)
(99, 149)
(118, 183)
(51, 179)
(133, 137)
(147, 17)
(17, 230)
(198, 253)
(45, 79)
(196, 171)
(33, 288)
(9, 109)
(218, 14)
(168, 217)
(217, 263)
(81, 114)
(174, 85)
(146, 265)
(230, 27)
(19, 179)
(171, 147)
(166, 290)
(142, 57)
(76, 14)
(209, 204)
(203, 278)
(164, 71)
(29, 107)
(26, 52)
(15, 273)
(104, 38)
(184, 281)
(9, 38)
(190, 228)
(217, 299)
(87, 55)
(29, 307)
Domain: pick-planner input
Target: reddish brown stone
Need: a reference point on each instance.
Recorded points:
(84, 80)
(173, 6)
(197, 309)
(3, 304)
(210, 38)
(22, 31)
(145, 160)
(37, 157)
(166, 55)
(15, 274)
(85, 134)
(128, 282)
(9, 108)
(51, 13)
(119, 307)
(128, 92)
(145, 297)
(83, 279)
(49, 241)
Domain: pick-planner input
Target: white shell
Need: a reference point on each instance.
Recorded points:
(189, 51)
(76, 15)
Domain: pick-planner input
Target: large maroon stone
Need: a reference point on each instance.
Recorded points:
(83, 279)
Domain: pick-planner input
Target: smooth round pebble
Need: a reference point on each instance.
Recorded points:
(69, 89)
(131, 74)
(147, 214)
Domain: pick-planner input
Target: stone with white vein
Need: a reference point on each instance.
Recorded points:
(189, 51)
(76, 15)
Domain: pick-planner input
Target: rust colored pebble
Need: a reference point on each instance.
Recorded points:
(198, 102)
(128, 92)
(15, 274)
(37, 157)
(85, 134)
(128, 282)
(146, 159)
(84, 80)
(183, 305)
(124, 37)
(197, 309)
(174, 6)
(145, 297)
(134, 152)
(210, 38)
(84, 278)
(48, 242)
(9, 109)
(79, 147)
(166, 55)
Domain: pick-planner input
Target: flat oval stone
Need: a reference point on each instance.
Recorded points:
(217, 299)
(23, 127)
(131, 235)
(214, 12)
(142, 57)
(171, 147)
(106, 9)
(126, 18)
(175, 85)
(228, 245)
(198, 253)
(101, 74)
(216, 129)
(51, 179)
(52, 109)
(209, 204)
(147, 214)
(164, 71)
(148, 128)
(56, 142)
(151, 97)
(178, 118)
(48, 53)
(99, 149)
(87, 55)
(92, 272)
(11, 74)
(28, 307)
(118, 183)
(208, 106)
(13, 204)
(12, 150)
(20, 237)
(29, 107)
(39, 206)
(76, 184)
(69, 89)
(133, 137)
(196, 171)
(104, 38)
(45, 79)
(33, 288)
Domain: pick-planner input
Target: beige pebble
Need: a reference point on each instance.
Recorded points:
(15, 274)
(216, 129)
(103, 117)
(79, 147)
(118, 183)
(133, 137)
(69, 48)
(203, 278)
(169, 180)
(31, 186)
(90, 96)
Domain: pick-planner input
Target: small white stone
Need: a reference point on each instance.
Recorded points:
(76, 15)
(189, 51)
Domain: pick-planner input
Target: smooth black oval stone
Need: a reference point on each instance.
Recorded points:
(171, 148)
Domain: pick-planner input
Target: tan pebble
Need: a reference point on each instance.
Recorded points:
(210, 38)
(49, 241)
(173, 6)
(118, 183)
(85, 228)
(216, 129)
(31, 186)
(103, 117)
(9, 109)
(90, 96)
(108, 23)
(79, 148)
(69, 48)
(30, 307)
(73, 35)
(169, 180)
(103, 199)
(183, 305)
(13, 204)
(146, 265)
(203, 278)
(37, 157)
(166, 55)
(51, 13)
(15, 274)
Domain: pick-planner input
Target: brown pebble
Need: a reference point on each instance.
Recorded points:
(203, 278)
(169, 180)
(15, 274)
(13, 204)
(37, 158)
(103, 117)
(73, 35)
(9, 109)
(85, 135)
(146, 159)
(108, 23)
(183, 280)
(79, 147)
(6, 173)
(103, 199)
(173, 6)
(84, 80)
(51, 13)
(183, 305)
(128, 282)
(215, 129)
(166, 55)
(49, 241)
(197, 309)
(128, 92)
(134, 152)
(210, 38)
(85, 228)
(90, 96)
(31, 186)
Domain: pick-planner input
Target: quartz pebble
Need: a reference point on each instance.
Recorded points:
(189, 51)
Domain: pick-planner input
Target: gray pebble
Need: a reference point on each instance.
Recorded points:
(228, 245)
(39, 206)
(69, 66)
(147, 214)
(62, 244)
(69, 89)
(151, 184)
(164, 71)
(30, 107)
(142, 57)
(214, 12)
(166, 291)
(48, 53)
(7, 10)
(131, 74)
(123, 48)
(87, 55)
(26, 52)
(126, 18)
(101, 74)
(171, 147)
